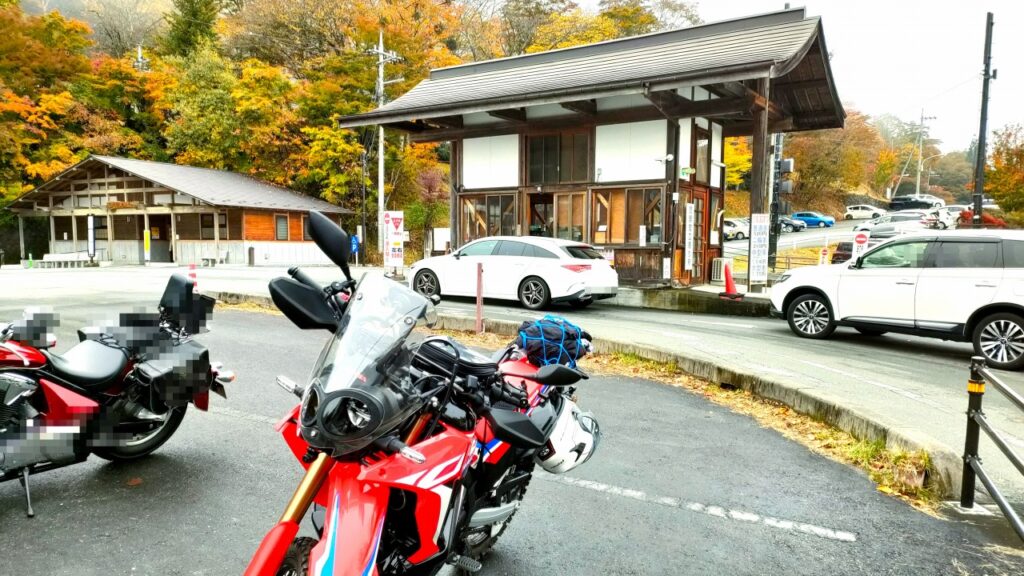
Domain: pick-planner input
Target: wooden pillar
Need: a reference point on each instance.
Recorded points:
(21, 237)
(216, 234)
(174, 236)
(74, 233)
(53, 232)
(110, 236)
(759, 169)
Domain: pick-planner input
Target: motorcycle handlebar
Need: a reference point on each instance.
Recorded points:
(304, 278)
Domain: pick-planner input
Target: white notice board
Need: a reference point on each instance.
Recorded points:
(759, 225)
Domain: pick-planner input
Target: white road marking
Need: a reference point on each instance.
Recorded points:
(224, 411)
(728, 324)
(717, 511)
(894, 389)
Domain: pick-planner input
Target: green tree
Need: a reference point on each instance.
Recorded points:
(203, 127)
(831, 162)
(191, 25)
(738, 161)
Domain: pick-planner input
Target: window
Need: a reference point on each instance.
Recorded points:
(967, 255)
(582, 252)
(555, 158)
(703, 167)
(569, 216)
(281, 226)
(538, 252)
(488, 215)
(482, 248)
(206, 226)
(618, 215)
(305, 228)
(1013, 254)
(901, 255)
(509, 248)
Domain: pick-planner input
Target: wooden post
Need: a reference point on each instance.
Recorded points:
(216, 235)
(110, 235)
(174, 236)
(759, 168)
(53, 233)
(21, 237)
(74, 233)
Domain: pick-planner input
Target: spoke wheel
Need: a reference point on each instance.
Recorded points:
(810, 317)
(1000, 339)
(534, 293)
(426, 283)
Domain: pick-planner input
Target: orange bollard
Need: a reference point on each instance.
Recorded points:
(730, 287)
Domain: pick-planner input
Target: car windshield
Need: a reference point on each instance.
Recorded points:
(377, 321)
(583, 252)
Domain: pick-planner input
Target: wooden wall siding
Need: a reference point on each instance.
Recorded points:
(295, 226)
(187, 226)
(638, 265)
(259, 225)
(127, 227)
(235, 224)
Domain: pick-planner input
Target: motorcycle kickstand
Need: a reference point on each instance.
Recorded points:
(28, 494)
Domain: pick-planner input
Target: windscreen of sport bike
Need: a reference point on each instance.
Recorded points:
(379, 317)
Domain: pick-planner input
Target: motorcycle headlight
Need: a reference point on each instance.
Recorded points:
(350, 414)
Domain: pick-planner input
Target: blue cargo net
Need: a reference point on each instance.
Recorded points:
(551, 340)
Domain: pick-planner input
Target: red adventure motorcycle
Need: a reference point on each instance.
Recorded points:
(119, 393)
(418, 451)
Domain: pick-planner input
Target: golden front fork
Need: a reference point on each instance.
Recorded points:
(310, 485)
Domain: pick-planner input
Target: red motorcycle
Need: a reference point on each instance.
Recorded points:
(418, 451)
(119, 393)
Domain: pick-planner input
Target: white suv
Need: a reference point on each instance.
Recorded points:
(964, 285)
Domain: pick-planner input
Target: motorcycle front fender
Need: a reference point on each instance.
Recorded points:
(354, 521)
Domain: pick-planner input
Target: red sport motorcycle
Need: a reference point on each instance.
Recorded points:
(119, 393)
(418, 451)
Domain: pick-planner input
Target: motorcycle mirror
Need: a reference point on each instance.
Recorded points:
(331, 239)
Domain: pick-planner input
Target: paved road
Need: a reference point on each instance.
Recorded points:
(679, 486)
(909, 381)
(843, 230)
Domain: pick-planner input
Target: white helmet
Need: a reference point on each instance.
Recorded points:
(573, 441)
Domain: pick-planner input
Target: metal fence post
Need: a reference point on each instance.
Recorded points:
(975, 390)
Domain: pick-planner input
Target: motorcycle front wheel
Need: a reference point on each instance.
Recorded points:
(478, 542)
(146, 442)
(296, 560)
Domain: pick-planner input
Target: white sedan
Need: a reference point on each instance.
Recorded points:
(861, 211)
(536, 271)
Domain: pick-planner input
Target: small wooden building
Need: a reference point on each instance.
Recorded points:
(615, 143)
(192, 214)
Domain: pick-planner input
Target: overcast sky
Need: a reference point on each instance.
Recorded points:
(899, 56)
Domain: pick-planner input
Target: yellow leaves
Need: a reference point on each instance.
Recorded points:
(563, 30)
(738, 160)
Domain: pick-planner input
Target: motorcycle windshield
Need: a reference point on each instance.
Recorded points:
(380, 316)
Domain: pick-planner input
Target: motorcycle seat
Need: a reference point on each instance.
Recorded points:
(89, 364)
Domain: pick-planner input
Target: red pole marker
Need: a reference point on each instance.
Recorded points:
(192, 275)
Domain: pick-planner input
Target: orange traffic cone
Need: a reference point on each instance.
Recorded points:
(730, 287)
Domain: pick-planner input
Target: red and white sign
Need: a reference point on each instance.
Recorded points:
(823, 256)
(860, 244)
(394, 249)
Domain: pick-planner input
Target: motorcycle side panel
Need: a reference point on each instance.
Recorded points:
(354, 522)
(65, 406)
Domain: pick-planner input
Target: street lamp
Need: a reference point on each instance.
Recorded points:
(920, 166)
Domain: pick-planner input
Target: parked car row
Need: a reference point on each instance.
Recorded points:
(739, 228)
(961, 285)
(916, 201)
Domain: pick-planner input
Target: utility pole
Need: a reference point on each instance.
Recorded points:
(920, 151)
(362, 210)
(776, 228)
(383, 57)
(979, 166)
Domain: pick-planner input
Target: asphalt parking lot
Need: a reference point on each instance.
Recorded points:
(679, 486)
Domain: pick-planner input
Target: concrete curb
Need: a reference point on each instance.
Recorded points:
(947, 467)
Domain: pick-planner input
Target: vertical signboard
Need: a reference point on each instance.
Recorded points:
(394, 231)
(860, 244)
(688, 243)
(759, 225)
(91, 238)
(145, 244)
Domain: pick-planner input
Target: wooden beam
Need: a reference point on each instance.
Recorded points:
(446, 121)
(801, 84)
(673, 105)
(584, 107)
(510, 115)
(609, 117)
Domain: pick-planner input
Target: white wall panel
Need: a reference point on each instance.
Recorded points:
(633, 151)
(491, 162)
(685, 140)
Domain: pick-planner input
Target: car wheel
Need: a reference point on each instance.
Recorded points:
(534, 293)
(426, 283)
(810, 317)
(787, 228)
(739, 236)
(1000, 339)
(821, 224)
(870, 332)
(848, 217)
(943, 225)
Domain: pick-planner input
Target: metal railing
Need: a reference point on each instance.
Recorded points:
(976, 421)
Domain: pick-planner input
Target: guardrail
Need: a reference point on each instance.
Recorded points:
(976, 421)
